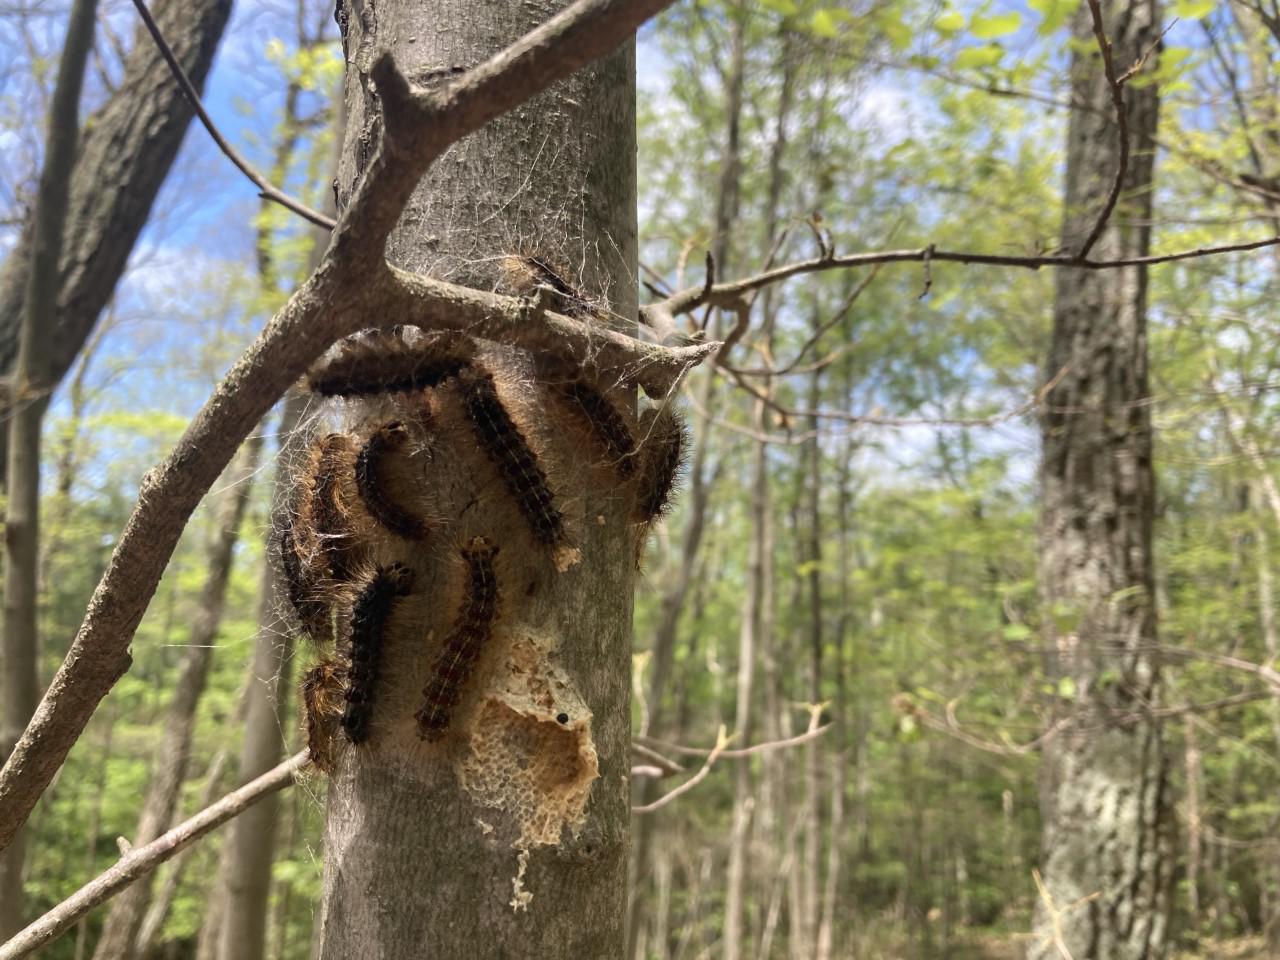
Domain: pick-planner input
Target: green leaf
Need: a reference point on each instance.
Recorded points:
(950, 22)
(1053, 14)
(1001, 25)
(1017, 631)
(1067, 688)
(1193, 9)
(787, 8)
(976, 57)
(898, 32)
(824, 24)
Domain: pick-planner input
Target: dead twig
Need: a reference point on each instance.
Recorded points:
(268, 189)
(139, 862)
(727, 294)
(722, 741)
(811, 734)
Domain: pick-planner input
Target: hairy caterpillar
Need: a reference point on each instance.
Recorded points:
(517, 464)
(371, 483)
(523, 275)
(337, 555)
(667, 445)
(368, 625)
(391, 361)
(604, 422)
(462, 648)
(322, 697)
(313, 613)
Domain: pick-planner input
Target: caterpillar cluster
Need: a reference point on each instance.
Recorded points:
(357, 522)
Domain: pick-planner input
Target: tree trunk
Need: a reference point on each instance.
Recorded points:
(1104, 794)
(120, 932)
(749, 642)
(245, 865)
(478, 825)
(31, 386)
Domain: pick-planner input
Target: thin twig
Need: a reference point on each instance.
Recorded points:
(667, 765)
(722, 741)
(738, 754)
(139, 862)
(269, 190)
(726, 294)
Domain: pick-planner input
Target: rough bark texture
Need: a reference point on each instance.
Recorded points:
(120, 932)
(125, 153)
(1104, 795)
(414, 861)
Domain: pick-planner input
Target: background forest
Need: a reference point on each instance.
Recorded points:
(855, 549)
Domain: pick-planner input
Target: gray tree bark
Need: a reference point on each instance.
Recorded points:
(30, 391)
(120, 932)
(1104, 794)
(415, 861)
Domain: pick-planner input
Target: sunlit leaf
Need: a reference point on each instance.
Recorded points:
(1000, 25)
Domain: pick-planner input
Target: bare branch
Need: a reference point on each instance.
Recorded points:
(728, 294)
(722, 741)
(269, 190)
(352, 284)
(434, 304)
(665, 765)
(811, 734)
(139, 862)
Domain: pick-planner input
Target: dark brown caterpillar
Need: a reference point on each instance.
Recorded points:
(524, 275)
(517, 464)
(371, 483)
(462, 648)
(322, 697)
(313, 613)
(368, 625)
(391, 361)
(663, 458)
(606, 425)
(337, 553)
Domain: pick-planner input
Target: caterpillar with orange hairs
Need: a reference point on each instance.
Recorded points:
(398, 360)
(603, 421)
(369, 616)
(370, 466)
(471, 631)
(517, 464)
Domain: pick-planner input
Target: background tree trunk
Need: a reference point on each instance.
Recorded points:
(412, 860)
(1105, 797)
(125, 153)
(29, 390)
(120, 932)
(244, 875)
